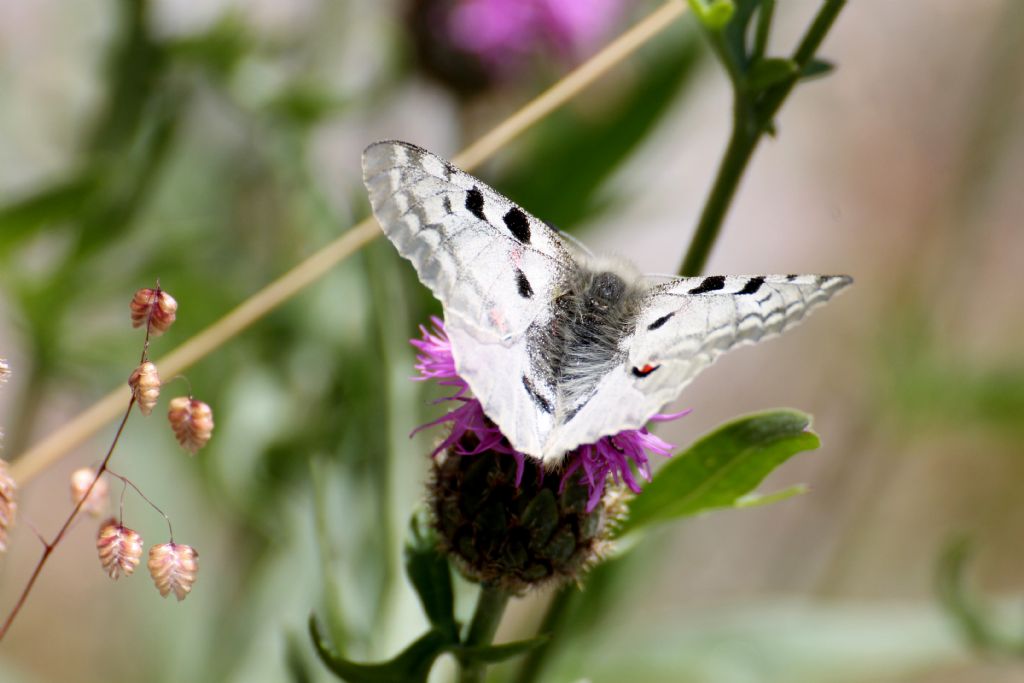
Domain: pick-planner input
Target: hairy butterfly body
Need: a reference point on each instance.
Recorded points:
(559, 347)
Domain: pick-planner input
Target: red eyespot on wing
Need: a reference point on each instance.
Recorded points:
(645, 370)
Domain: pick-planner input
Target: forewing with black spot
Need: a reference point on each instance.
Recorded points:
(487, 260)
(495, 268)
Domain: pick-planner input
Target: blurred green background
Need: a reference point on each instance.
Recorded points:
(214, 145)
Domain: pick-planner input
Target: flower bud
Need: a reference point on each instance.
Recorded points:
(81, 479)
(192, 422)
(120, 549)
(517, 537)
(8, 504)
(173, 568)
(155, 308)
(145, 384)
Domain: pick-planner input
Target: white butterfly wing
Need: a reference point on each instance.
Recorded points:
(495, 268)
(488, 261)
(682, 328)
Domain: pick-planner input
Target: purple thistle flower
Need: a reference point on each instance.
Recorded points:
(501, 33)
(611, 456)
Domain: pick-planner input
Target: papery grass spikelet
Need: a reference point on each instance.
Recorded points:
(173, 568)
(8, 503)
(96, 503)
(120, 548)
(145, 385)
(192, 422)
(155, 308)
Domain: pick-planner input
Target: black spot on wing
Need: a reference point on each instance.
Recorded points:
(792, 276)
(753, 284)
(475, 203)
(518, 224)
(525, 290)
(447, 203)
(537, 399)
(709, 284)
(660, 321)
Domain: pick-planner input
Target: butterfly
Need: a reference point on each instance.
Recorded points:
(561, 347)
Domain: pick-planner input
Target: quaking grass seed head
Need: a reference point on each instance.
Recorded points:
(145, 385)
(119, 548)
(154, 308)
(8, 504)
(173, 567)
(97, 498)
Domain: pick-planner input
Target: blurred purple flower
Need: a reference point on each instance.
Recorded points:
(501, 33)
(612, 456)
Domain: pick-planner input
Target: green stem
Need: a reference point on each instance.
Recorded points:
(749, 125)
(805, 52)
(490, 607)
(742, 143)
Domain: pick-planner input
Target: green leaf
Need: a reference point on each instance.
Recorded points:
(816, 68)
(752, 500)
(768, 72)
(722, 467)
(492, 654)
(430, 575)
(714, 14)
(412, 665)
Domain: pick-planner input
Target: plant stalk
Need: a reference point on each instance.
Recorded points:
(750, 122)
(490, 607)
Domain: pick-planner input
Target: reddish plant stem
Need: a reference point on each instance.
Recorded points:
(48, 548)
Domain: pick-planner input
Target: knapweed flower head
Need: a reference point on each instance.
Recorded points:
(611, 458)
(499, 514)
(471, 44)
(503, 32)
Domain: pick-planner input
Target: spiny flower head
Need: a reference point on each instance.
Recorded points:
(504, 33)
(471, 45)
(503, 518)
(612, 457)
